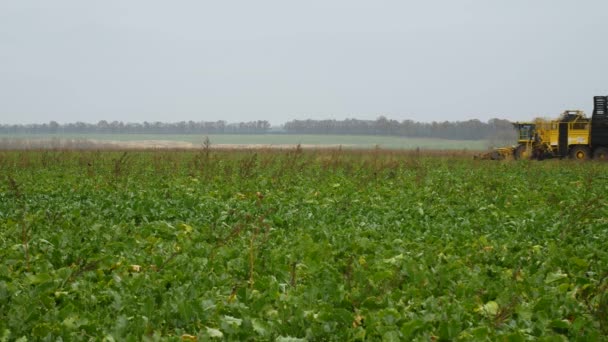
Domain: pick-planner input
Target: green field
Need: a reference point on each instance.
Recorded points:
(356, 141)
(300, 245)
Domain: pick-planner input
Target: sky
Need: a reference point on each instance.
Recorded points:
(436, 60)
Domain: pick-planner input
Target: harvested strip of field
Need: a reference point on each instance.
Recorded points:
(352, 141)
(171, 144)
(84, 144)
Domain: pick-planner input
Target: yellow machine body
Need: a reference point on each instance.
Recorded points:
(569, 135)
(572, 135)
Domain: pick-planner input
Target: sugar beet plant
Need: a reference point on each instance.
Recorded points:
(300, 245)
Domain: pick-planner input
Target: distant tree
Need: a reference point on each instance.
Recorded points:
(53, 127)
(103, 126)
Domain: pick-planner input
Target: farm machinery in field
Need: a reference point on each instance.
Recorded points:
(572, 135)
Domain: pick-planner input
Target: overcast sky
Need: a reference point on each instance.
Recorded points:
(146, 60)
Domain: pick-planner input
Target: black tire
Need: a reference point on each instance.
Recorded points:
(495, 155)
(580, 152)
(521, 152)
(540, 154)
(601, 153)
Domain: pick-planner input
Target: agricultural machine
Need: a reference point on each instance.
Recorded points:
(572, 135)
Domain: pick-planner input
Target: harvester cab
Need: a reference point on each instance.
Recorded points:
(526, 131)
(529, 135)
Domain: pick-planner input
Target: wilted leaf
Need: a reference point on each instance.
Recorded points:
(555, 276)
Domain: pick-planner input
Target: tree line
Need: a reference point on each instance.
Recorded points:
(119, 127)
(458, 130)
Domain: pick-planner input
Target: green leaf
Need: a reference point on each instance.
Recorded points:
(409, 329)
(289, 339)
(259, 327)
(391, 336)
(490, 308)
(214, 333)
(397, 259)
(579, 262)
(560, 324)
(35, 279)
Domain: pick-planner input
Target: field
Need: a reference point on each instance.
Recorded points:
(298, 245)
(265, 140)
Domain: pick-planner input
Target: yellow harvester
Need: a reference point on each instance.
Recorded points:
(572, 135)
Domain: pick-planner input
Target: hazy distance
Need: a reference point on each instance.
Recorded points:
(169, 61)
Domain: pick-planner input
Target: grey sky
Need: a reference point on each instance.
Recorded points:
(279, 60)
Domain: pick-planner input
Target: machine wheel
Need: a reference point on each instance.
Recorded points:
(601, 153)
(495, 155)
(522, 152)
(580, 152)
